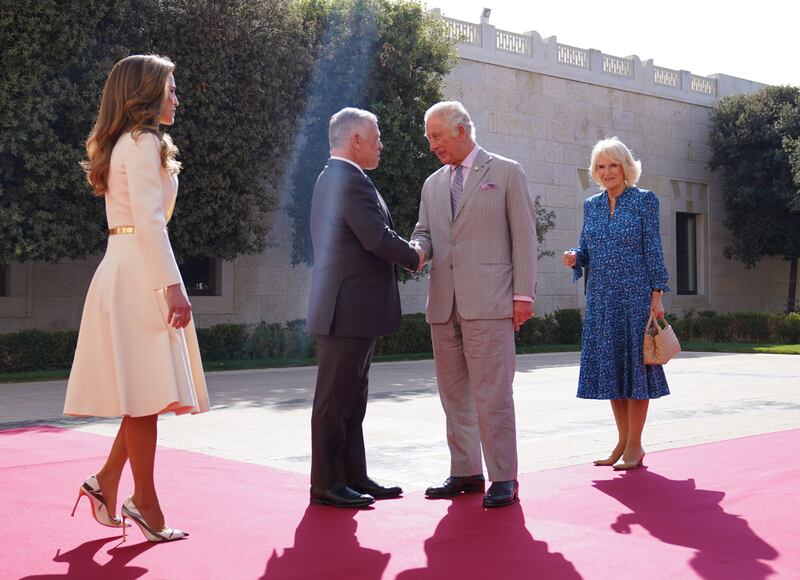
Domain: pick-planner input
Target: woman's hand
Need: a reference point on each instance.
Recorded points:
(569, 259)
(656, 308)
(180, 309)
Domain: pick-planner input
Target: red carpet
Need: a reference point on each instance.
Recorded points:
(719, 511)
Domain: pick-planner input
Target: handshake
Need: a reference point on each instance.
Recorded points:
(421, 253)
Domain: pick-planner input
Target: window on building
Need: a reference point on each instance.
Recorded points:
(3, 280)
(686, 252)
(200, 276)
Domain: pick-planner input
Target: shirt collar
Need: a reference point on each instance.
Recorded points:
(353, 163)
(469, 160)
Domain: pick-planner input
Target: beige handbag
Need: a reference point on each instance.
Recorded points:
(660, 344)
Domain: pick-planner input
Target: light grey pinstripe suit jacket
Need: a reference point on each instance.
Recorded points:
(488, 252)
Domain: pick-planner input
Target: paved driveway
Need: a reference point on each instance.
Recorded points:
(263, 416)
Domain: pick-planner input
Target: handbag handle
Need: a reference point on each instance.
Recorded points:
(653, 320)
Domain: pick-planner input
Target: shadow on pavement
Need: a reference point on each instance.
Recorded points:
(676, 512)
(472, 542)
(326, 546)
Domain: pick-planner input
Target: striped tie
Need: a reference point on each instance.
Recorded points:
(456, 189)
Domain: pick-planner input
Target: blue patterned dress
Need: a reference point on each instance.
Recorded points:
(625, 262)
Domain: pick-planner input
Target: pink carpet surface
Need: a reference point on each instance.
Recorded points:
(726, 510)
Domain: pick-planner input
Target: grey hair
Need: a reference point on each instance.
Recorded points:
(618, 152)
(453, 114)
(346, 122)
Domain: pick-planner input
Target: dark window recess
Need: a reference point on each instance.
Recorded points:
(3, 284)
(200, 276)
(686, 252)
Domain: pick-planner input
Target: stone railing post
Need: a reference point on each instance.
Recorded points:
(595, 61)
(489, 38)
(686, 82)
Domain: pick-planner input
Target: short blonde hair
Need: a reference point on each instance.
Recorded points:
(618, 152)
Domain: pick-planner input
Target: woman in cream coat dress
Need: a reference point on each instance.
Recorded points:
(137, 353)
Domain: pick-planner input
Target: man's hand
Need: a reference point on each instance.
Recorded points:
(523, 311)
(420, 252)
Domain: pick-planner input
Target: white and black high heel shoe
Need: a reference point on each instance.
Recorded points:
(129, 510)
(91, 490)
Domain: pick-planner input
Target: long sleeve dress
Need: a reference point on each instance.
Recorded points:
(129, 360)
(624, 260)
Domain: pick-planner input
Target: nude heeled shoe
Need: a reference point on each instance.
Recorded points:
(628, 465)
(129, 510)
(611, 460)
(91, 490)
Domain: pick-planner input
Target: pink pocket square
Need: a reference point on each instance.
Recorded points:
(488, 186)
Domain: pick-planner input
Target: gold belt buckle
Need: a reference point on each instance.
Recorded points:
(121, 230)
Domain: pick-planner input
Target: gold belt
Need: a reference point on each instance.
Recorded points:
(121, 230)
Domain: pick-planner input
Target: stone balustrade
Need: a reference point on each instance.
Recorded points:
(529, 51)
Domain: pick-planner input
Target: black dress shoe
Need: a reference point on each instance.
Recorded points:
(457, 484)
(376, 490)
(343, 497)
(501, 493)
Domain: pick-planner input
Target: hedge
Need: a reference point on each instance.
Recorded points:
(32, 350)
(710, 326)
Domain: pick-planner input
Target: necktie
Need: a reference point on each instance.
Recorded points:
(456, 189)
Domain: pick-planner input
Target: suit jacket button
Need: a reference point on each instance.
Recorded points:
(451, 266)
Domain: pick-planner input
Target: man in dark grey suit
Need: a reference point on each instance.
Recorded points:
(354, 299)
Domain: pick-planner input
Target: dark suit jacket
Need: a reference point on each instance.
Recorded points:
(353, 282)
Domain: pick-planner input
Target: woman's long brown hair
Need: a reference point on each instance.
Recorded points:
(132, 98)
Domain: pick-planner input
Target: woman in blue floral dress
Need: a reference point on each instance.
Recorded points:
(620, 247)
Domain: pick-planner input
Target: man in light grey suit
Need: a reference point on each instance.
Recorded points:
(477, 227)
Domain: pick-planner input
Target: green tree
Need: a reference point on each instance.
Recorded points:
(243, 66)
(751, 142)
(385, 56)
(242, 69)
(49, 90)
(391, 58)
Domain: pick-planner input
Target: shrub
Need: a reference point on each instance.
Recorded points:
(267, 341)
(568, 326)
(790, 329)
(35, 350)
(413, 336)
(299, 344)
(223, 341)
(536, 331)
(752, 327)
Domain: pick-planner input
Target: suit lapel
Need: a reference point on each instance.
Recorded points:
(444, 197)
(477, 173)
(381, 203)
(384, 207)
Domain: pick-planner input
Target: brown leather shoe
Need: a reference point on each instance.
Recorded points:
(456, 485)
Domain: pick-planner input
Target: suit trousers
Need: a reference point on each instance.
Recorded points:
(338, 457)
(475, 363)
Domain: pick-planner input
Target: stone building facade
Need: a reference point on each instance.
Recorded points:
(544, 104)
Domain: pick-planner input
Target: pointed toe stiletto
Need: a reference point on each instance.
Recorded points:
(628, 465)
(97, 503)
(610, 460)
(129, 510)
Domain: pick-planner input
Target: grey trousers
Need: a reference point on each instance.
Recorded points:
(475, 362)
